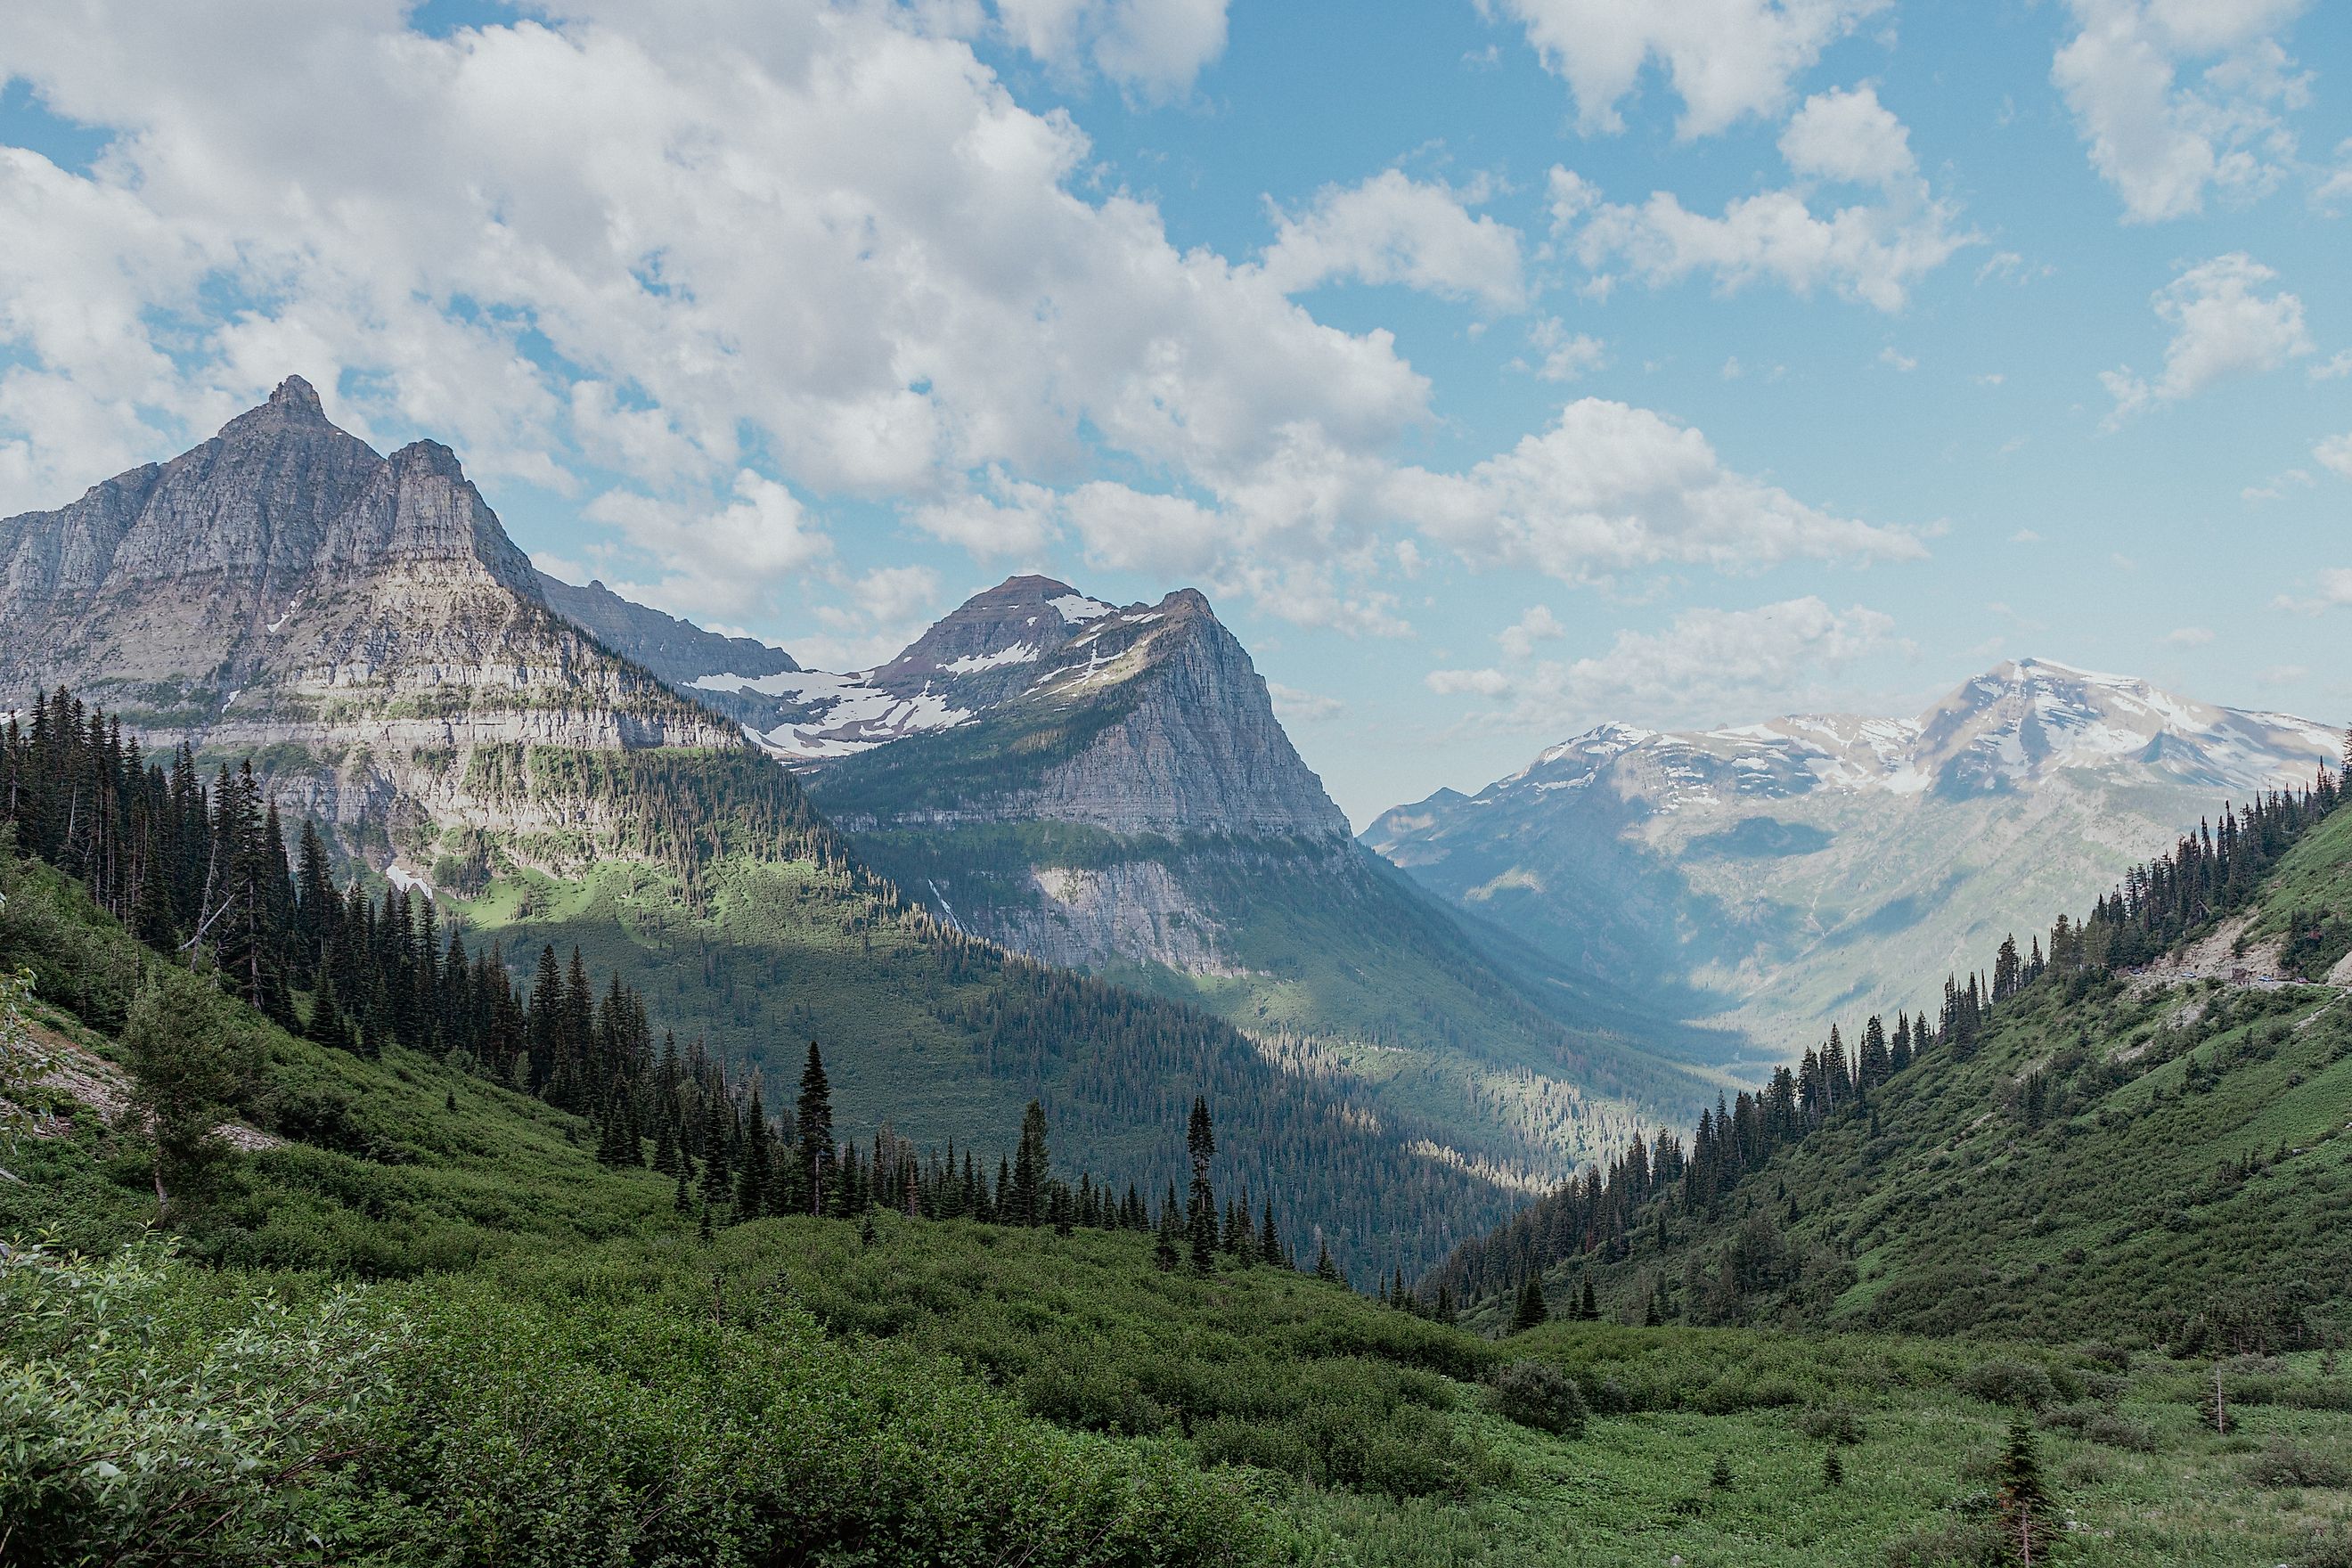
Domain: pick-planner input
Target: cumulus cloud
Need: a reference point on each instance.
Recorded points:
(1872, 250)
(1566, 355)
(2226, 320)
(1709, 667)
(1847, 134)
(2334, 186)
(714, 266)
(824, 239)
(2161, 143)
(1727, 60)
(1395, 229)
(1155, 47)
(2335, 452)
(1537, 624)
(723, 564)
(1293, 706)
(884, 610)
(1611, 489)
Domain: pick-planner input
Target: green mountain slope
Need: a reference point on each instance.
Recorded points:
(456, 1338)
(2154, 1155)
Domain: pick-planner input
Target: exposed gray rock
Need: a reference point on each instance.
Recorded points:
(678, 651)
(282, 585)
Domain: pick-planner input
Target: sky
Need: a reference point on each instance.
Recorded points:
(1497, 367)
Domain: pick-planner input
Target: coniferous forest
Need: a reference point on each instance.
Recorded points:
(335, 1081)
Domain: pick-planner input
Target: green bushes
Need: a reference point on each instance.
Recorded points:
(2013, 1383)
(1255, 1365)
(2286, 1463)
(150, 1418)
(1537, 1394)
(600, 1413)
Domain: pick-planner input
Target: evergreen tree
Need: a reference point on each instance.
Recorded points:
(1588, 1306)
(1269, 1240)
(813, 1128)
(1530, 1310)
(1325, 1267)
(1200, 1209)
(752, 1182)
(1031, 1166)
(2021, 1503)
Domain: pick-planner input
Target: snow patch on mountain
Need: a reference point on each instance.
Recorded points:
(972, 664)
(1078, 608)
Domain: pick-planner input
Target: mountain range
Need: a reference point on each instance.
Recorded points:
(557, 765)
(1499, 987)
(1771, 879)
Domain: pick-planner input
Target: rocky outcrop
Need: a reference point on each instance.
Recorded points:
(1146, 720)
(679, 652)
(1083, 917)
(363, 620)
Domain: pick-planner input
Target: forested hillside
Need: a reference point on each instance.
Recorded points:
(415, 1317)
(2128, 1128)
(744, 930)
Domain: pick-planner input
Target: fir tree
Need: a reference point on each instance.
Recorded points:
(812, 1129)
(1270, 1241)
(2021, 1504)
(1530, 1310)
(1200, 1209)
(1031, 1165)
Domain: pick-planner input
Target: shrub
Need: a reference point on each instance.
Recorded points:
(1539, 1394)
(2018, 1384)
(2286, 1463)
(1831, 1424)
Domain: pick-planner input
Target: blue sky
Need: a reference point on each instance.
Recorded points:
(1498, 369)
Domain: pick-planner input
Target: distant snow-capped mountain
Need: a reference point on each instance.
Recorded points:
(1773, 875)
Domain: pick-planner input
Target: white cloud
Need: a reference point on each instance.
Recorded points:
(2281, 674)
(703, 262)
(1293, 706)
(2224, 324)
(1709, 667)
(1155, 47)
(1728, 59)
(2276, 489)
(2163, 144)
(2335, 365)
(1611, 489)
(1566, 355)
(1467, 683)
(2335, 452)
(724, 564)
(2334, 186)
(2332, 590)
(2188, 637)
(887, 608)
(1895, 358)
(1848, 135)
(1537, 624)
(2025, 536)
(1872, 250)
(822, 239)
(1395, 229)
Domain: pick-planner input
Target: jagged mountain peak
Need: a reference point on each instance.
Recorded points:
(1019, 621)
(294, 404)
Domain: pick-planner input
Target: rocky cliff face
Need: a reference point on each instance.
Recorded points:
(1781, 876)
(1036, 703)
(679, 652)
(282, 585)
